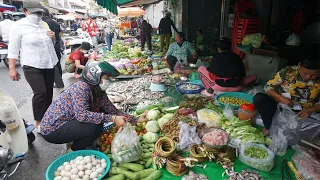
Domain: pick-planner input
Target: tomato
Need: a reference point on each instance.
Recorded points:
(102, 139)
(102, 149)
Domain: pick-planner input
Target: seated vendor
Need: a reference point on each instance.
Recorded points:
(180, 51)
(226, 72)
(78, 114)
(199, 42)
(301, 83)
(77, 60)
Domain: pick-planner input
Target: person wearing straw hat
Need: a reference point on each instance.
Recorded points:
(32, 42)
(77, 116)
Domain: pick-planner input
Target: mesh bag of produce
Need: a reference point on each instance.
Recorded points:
(126, 145)
(257, 156)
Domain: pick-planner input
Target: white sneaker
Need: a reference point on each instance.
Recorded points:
(38, 129)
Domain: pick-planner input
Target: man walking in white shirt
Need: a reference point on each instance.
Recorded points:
(5, 26)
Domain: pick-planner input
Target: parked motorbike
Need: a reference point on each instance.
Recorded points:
(14, 136)
(4, 54)
(74, 42)
(8, 163)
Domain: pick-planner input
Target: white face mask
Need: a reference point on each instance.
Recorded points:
(34, 18)
(85, 51)
(105, 84)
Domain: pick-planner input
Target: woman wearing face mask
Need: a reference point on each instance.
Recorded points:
(78, 114)
(32, 42)
(78, 59)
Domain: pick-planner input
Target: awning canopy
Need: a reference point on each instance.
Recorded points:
(110, 5)
(4, 7)
(139, 2)
(130, 12)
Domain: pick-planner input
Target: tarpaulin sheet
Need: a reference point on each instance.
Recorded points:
(214, 171)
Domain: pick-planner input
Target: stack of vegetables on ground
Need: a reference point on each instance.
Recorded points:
(140, 169)
(128, 58)
(160, 139)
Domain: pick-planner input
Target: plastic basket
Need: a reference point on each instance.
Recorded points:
(239, 95)
(72, 155)
(189, 91)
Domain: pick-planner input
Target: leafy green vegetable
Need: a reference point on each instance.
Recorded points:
(256, 152)
(153, 115)
(214, 107)
(150, 137)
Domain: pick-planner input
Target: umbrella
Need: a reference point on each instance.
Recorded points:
(4, 7)
(130, 12)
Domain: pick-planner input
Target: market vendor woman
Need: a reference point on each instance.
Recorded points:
(301, 83)
(78, 114)
(180, 51)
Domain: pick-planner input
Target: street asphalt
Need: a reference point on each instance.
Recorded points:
(41, 153)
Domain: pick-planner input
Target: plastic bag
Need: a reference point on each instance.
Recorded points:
(255, 90)
(188, 136)
(126, 145)
(260, 164)
(293, 40)
(294, 128)
(305, 163)
(254, 39)
(228, 112)
(177, 68)
(279, 143)
(285, 120)
(8, 115)
(309, 129)
(209, 117)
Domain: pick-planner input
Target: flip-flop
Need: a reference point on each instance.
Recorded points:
(205, 92)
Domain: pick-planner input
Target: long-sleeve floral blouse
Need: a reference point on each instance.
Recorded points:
(77, 103)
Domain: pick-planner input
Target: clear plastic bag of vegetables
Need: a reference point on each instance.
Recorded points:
(257, 156)
(126, 145)
(279, 143)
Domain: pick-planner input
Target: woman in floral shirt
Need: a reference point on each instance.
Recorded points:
(78, 114)
(296, 85)
(180, 51)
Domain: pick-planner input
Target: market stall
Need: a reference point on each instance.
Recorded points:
(187, 135)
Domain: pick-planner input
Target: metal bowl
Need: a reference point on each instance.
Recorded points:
(202, 132)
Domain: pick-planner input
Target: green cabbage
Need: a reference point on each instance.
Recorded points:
(153, 115)
(150, 137)
(152, 126)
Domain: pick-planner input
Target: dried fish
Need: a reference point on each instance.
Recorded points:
(189, 87)
(245, 174)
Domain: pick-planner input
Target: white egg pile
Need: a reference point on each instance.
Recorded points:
(81, 168)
